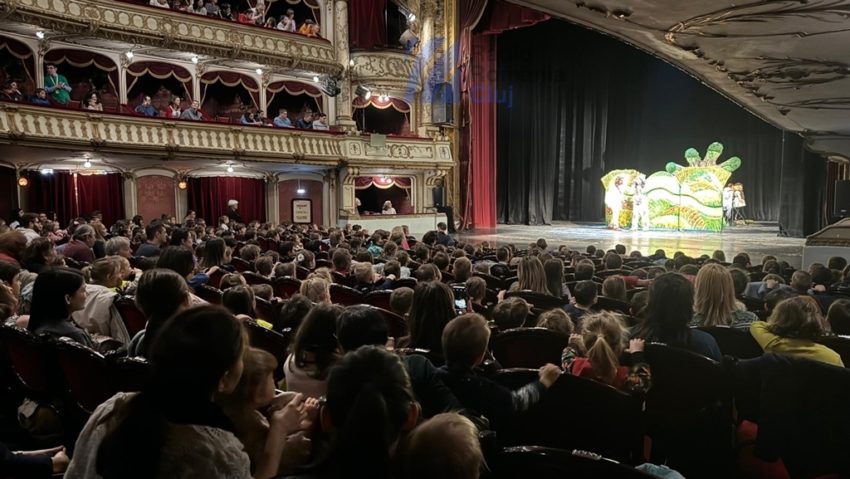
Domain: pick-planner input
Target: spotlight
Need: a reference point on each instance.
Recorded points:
(40, 35)
(129, 55)
(23, 181)
(315, 79)
(363, 92)
(411, 18)
(87, 164)
(259, 71)
(195, 59)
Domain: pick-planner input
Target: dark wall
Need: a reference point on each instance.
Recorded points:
(8, 192)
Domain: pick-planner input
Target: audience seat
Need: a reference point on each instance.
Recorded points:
(738, 343)
(241, 265)
(215, 278)
(839, 344)
(689, 412)
(267, 310)
(324, 263)
(253, 278)
(447, 277)
(493, 282)
(275, 343)
(302, 272)
(33, 362)
(90, 378)
(133, 318)
(605, 303)
(285, 287)
(396, 325)
(543, 462)
(752, 304)
(611, 272)
(345, 280)
(380, 299)
(538, 300)
(528, 347)
(208, 294)
(563, 418)
(500, 271)
(345, 295)
(404, 283)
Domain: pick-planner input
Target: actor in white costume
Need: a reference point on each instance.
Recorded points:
(727, 203)
(640, 204)
(614, 200)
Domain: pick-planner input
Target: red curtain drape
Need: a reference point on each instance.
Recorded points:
(395, 103)
(480, 25)
(367, 25)
(53, 192)
(230, 79)
(208, 197)
(383, 182)
(101, 192)
(160, 71)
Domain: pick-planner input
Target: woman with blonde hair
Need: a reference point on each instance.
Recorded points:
(793, 330)
(614, 287)
(595, 353)
(316, 289)
(531, 276)
(714, 300)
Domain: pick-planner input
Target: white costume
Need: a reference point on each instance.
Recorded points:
(640, 204)
(727, 204)
(614, 200)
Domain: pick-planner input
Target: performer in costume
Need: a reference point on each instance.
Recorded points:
(614, 200)
(640, 204)
(727, 203)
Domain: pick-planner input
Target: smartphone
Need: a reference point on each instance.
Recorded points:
(460, 298)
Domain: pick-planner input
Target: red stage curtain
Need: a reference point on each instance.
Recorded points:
(160, 71)
(54, 192)
(82, 59)
(478, 106)
(101, 192)
(208, 196)
(366, 23)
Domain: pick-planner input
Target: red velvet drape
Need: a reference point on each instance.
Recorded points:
(208, 197)
(366, 23)
(54, 192)
(101, 192)
(479, 94)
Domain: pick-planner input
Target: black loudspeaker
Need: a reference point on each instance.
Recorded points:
(841, 202)
(442, 99)
(437, 196)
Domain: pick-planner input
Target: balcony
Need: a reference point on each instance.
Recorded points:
(29, 125)
(386, 70)
(139, 24)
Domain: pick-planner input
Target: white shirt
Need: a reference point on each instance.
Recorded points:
(318, 125)
(100, 316)
(388, 211)
(155, 3)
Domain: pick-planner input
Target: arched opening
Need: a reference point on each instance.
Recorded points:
(390, 117)
(304, 10)
(17, 64)
(161, 81)
(226, 95)
(373, 191)
(87, 72)
(295, 97)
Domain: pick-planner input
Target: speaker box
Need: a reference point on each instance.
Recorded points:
(841, 202)
(442, 99)
(437, 195)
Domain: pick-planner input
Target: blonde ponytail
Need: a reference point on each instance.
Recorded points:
(603, 338)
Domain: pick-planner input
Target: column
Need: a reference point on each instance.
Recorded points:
(130, 206)
(343, 100)
(427, 65)
(123, 64)
(272, 198)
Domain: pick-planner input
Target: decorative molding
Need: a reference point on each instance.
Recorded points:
(434, 176)
(139, 24)
(386, 70)
(64, 128)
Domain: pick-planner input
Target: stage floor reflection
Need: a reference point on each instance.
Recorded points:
(757, 239)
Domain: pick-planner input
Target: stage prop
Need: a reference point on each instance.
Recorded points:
(680, 198)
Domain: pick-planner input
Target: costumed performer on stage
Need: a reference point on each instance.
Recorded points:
(614, 201)
(727, 203)
(640, 204)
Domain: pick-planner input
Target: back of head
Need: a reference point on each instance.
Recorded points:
(360, 326)
(188, 358)
(476, 288)
(401, 299)
(315, 341)
(450, 437)
(428, 272)
(638, 303)
(719, 256)
(239, 300)
(801, 281)
(798, 318)
(669, 311)
(441, 261)
(838, 317)
(510, 313)
(264, 265)
(462, 269)
(602, 336)
(177, 259)
(614, 287)
(369, 403)
(316, 289)
(50, 295)
(821, 275)
(363, 273)
(613, 261)
(556, 320)
(103, 271)
(714, 296)
(554, 270)
(585, 293)
(432, 309)
(292, 312)
(740, 279)
(531, 276)
(13, 243)
(776, 296)
(465, 341)
(159, 295)
(585, 270)
(836, 263)
(392, 267)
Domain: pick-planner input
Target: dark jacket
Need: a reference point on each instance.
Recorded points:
(430, 390)
(66, 328)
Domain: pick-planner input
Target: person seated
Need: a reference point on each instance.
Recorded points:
(401, 300)
(316, 289)
(451, 437)
(99, 315)
(193, 112)
(160, 294)
(283, 270)
(146, 108)
(476, 291)
(57, 293)
(510, 313)
(793, 330)
(614, 287)
(93, 103)
(387, 208)
(306, 121)
(594, 354)
(760, 289)
(173, 110)
(172, 427)
(556, 320)
(775, 297)
(251, 117)
(306, 28)
(40, 97)
(159, 3)
(714, 300)
(10, 92)
(313, 352)
(321, 123)
(462, 269)
(80, 247)
(585, 297)
(365, 276)
(465, 341)
(314, 31)
(838, 317)
(292, 313)
(282, 119)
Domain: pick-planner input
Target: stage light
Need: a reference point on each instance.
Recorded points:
(363, 92)
(351, 62)
(87, 164)
(229, 169)
(411, 18)
(315, 79)
(383, 98)
(259, 71)
(40, 35)
(129, 55)
(182, 184)
(47, 171)
(300, 190)
(195, 59)
(23, 181)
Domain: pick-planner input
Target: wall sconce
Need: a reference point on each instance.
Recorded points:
(182, 184)
(300, 190)
(23, 182)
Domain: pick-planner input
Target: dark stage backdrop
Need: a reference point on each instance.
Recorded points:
(580, 104)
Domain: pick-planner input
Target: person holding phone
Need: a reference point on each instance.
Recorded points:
(57, 86)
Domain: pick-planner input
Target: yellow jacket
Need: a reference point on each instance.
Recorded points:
(797, 348)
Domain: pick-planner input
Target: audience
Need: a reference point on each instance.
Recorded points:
(450, 437)
(793, 329)
(585, 297)
(57, 294)
(313, 352)
(714, 301)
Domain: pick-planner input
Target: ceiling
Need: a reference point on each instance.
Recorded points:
(787, 61)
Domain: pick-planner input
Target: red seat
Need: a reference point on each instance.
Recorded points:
(285, 287)
(275, 343)
(208, 294)
(528, 347)
(396, 325)
(33, 362)
(267, 310)
(323, 263)
(539, 300)
(613, 305)
(345, 296)
(256, 278)
(215, 278)
(133, 318)
(301, 272)
(345, 280)
(89, 376)
(241, 265)
(380, 299)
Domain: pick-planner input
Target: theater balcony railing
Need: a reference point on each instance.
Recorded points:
(29, 125)
(148, 26)
(388, 70)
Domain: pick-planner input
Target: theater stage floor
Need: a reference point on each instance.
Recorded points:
(757, 239)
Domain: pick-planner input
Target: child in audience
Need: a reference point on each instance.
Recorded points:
(160, 294)
(465, 341)
(450, 437)
(282, 270)
(433, 307)
(240, 301)
(263, 291)
(614, 287)
(775, 297)
(264, 265)
(401, 299)
(232, 279)
(316, 289)
(585, 297)
(838, 317)
(595, 354)
(556, 320)
(793, 329)
(99, 315)
(510, 313)
(314, 350)
(292, 313)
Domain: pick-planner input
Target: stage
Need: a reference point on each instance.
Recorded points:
(757, 239)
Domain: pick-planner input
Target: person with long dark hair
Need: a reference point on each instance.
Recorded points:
(668, 314)
(161, 294)
(432, 309)
(314, 350)
(57, 293)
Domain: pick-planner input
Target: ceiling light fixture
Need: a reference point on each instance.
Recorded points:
(23, 181)
(182, 184)
(300, 190)
(363, 92)
(229, 168)
(195, 59)
(315, 79)
(411, 18)
(259, 71)
(40, 35)
(87, 164)
(129, 55)
(47, 171)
